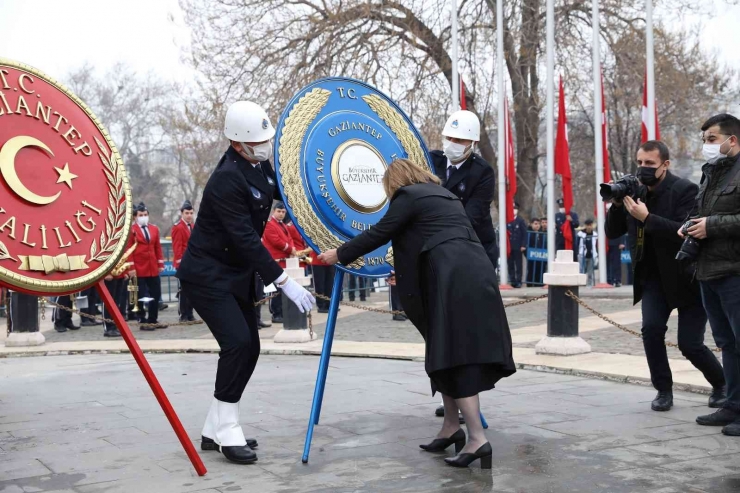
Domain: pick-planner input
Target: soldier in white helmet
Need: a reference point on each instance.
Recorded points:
(218, 270)
(470, 177)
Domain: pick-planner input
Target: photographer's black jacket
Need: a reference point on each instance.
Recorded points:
(668, 205)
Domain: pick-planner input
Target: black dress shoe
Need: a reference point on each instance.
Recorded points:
(88, 322)
(721, 417)
(208, 444)
(323, 310)
(71, 326)
(441, 444)
(718, 398)
(239, 455)
(60, 328)
(263, 325)
(440, 412)
(277, 320)
(112, 333)
(484, 453)
(733, 429)
(191, 318)
(663, 401)
(399, 318)
(147, 328)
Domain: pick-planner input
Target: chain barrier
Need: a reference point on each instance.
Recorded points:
(621, 327)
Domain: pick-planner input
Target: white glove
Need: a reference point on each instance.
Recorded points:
(298, 295)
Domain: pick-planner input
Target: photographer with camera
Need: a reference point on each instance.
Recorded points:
(712, 238)
(650, 207)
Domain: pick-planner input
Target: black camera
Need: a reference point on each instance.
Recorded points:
(690, 248)
(627, 185)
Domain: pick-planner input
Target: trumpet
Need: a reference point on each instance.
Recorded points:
(133, 294)
(123, 264)
(305, 255)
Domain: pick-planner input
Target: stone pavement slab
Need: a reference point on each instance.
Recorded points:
(89, 423)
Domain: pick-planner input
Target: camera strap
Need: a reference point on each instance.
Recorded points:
(640, 243)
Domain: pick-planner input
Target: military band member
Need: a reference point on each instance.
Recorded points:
(149, 263)
(63, 318)
(218, 270)
(181, 232)
(279, 243)
(468, 176)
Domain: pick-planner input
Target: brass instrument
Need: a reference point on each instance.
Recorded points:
(133, 286)
(305, 255)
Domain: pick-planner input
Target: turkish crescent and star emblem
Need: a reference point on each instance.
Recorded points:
(64, 195)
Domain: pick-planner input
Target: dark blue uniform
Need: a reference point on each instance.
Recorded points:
(474, 184)
(614, 260)
(224, 254)
(517, 230)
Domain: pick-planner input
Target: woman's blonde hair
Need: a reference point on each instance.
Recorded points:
(402, 173)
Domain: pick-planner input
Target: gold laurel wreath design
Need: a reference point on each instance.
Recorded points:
(398, 125)
(110, 237)
(4, 253)
(296, 124)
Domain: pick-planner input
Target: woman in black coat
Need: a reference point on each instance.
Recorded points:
(448, 290)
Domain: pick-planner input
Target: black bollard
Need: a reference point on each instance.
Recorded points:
(23, 321)
(293, 319)
(562, 312)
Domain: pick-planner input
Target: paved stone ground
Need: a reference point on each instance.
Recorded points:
(88, 424)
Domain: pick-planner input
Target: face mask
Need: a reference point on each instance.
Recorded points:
(561, 210)
(456, 152)
(261, 152)
(142, 221)
(646, 175)
(711, 152)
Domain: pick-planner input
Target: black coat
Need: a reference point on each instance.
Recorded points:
(668, 206)
(518, 233)
(225, 249)
(475, 185)
(446, 283)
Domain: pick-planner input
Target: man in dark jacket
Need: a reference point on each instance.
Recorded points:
(614, 260)
(717, 229)
(517, 230)
(218, 270)
(660, 281)
(468, 176)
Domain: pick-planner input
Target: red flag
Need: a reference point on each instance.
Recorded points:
(562, 166)
(463, 104)
(645, 113)
(604, 148)
(509, 163)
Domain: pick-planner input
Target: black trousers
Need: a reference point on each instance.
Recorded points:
(184, 308)
(60, 316)
(515, 266)
(614, 265)
(692, 321)
(92, 301)
(359, 284)
(395, 299)
(323, 281)
(150, 287)
(276, 304)
(115, 287)
(232, 319)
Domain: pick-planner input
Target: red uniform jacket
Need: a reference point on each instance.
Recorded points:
(277, 240)
(180, 237)
(147, 257)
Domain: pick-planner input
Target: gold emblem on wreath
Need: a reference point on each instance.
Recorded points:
(301, 115)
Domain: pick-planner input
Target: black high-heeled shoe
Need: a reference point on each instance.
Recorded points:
(484, 453)
(440, 444)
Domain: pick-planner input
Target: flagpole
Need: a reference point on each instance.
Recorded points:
(455, 79)
(598, 144)
(502, 232)
(550, 134)
(650, 70)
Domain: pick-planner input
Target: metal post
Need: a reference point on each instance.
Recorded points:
(504, 267)
(318, 393)
(455, 78)
(650, 70)
(550, 19)
(599, 117)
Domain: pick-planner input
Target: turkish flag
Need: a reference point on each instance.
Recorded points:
(645, 114)
(604, 148)
(509, 163)
(562, 166)
(463, 104)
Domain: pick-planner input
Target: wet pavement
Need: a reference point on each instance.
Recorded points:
(90, 424)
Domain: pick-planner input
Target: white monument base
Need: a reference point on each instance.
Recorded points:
(288, 336)
(562, 346)
(23, 339)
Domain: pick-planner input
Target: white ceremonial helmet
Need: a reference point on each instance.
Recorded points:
(463, 124)
(247, 122)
